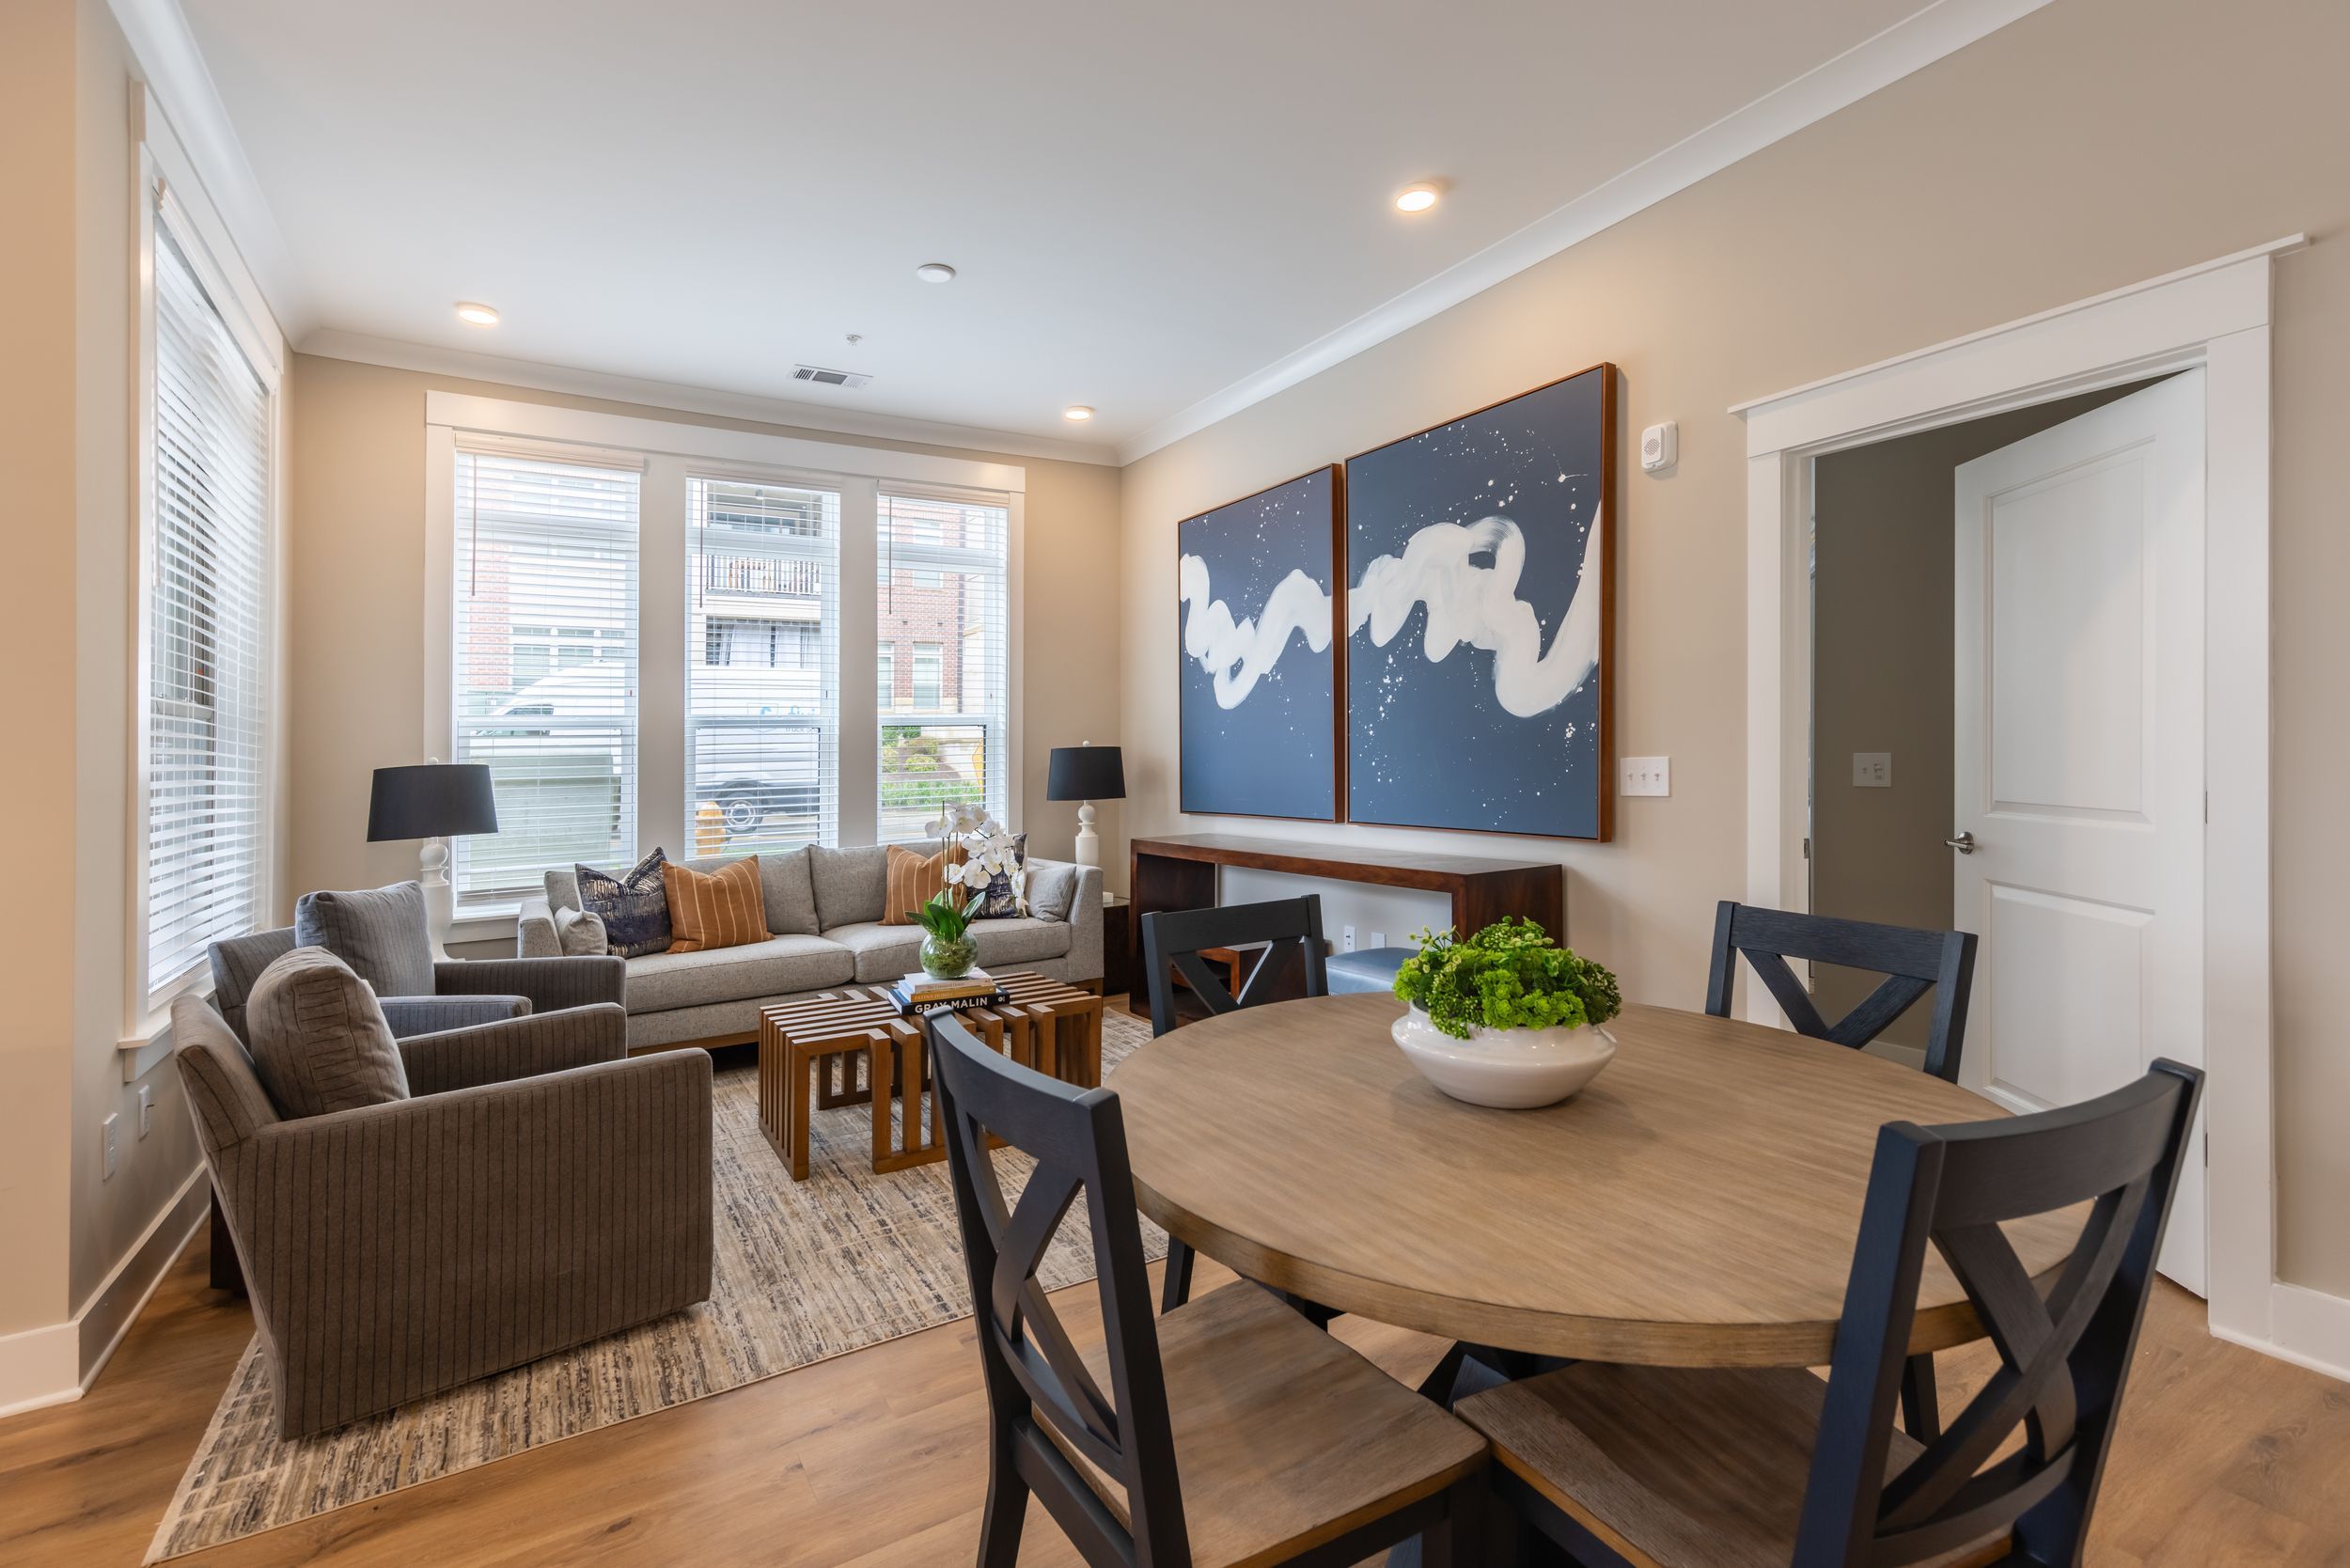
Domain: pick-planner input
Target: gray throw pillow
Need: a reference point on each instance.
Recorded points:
(381, 933)
(789, 891)
(580, 934)
(851, 884)
(634, 908)
(319, 1039)
(1052, 889)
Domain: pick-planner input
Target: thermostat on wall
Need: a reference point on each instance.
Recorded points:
(1660, 446)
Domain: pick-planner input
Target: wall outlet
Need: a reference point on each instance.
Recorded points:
(114, 1153)
(147, 1109)
(1346, 939)
(1872, 770)
(1648, 776)
(1378, 939)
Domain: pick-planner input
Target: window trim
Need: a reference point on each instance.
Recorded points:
(670, 449)
(166, 179)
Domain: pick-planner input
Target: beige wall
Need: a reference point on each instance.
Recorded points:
(2091, 145)
(1884, 570)
(67, 422)
(357, 645)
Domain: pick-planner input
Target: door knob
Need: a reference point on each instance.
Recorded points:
(1964, 844)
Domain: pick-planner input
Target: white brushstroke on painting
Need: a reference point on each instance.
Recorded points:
(1467, 602)
(1478, 605)
(1238, 653)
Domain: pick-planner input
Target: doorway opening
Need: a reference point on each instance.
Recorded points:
(2006, 617)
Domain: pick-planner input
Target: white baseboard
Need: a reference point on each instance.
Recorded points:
(2306, 1328)
(49, 1365)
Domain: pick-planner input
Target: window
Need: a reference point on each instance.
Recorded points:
(930, 664)
(943, 595)
(762, 701)
(207, 628)
(545, 665)
(886, 679)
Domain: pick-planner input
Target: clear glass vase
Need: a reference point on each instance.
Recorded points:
(945, 957)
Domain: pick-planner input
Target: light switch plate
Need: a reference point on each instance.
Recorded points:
(1646, 775)
(1872, 770)
(147, 1109)
(113, 1152)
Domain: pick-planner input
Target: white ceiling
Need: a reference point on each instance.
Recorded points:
(1148, 205)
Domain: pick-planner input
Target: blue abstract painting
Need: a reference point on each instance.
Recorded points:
(1478, 618)
(1258, 582)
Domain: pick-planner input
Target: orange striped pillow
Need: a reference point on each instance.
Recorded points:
(912, 880)
(718, 909)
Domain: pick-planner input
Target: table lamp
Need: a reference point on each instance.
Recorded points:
(434, 803)
(1085, 773)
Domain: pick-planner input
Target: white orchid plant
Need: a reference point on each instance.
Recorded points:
(989, 849)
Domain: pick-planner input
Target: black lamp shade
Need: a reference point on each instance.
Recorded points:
(435, 801)
(1086, 773)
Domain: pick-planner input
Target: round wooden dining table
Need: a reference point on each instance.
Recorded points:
(1695, 1206)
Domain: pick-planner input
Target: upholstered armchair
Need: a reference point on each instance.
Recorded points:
(538, 1189)
(465, 992)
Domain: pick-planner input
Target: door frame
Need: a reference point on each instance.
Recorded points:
(2216, 315)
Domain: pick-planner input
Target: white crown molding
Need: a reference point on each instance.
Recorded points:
(395, 354)
(1940, 30)
(166, 48)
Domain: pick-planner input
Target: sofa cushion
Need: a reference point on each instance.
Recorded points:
(319, 1041)
(562, 889)
(785, 892)
(634, 906)
(579, 933)
(1052, 889)
(776, 967)
(851, 884)
(721, 908)
(886, 953)
(381, 933)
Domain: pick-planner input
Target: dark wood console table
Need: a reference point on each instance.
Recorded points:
(1179, 873)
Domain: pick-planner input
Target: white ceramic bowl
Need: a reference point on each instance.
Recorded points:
(1509, 1069)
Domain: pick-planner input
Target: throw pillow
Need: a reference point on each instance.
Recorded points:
(580, 934)
(634, 908)
(1003, 897)
(319, 1039)
(914, 879)
(381, 934)
(715, 909)
(1052, 891)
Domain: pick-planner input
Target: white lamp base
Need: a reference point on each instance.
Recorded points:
(1088, 842)
(440, 898)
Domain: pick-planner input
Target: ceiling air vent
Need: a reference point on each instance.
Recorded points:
(822, 377)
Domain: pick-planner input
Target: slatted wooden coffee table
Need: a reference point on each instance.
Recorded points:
(810, 1050)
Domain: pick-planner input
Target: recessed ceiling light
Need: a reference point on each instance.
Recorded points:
(1417, 199)
(476, 315)
(935, 271)
(1077, 411)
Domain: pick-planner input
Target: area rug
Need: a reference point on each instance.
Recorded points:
(803, 1271)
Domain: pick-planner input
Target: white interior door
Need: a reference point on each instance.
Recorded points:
(2080, 761)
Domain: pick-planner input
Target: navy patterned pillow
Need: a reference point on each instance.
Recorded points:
(1003, 898)
(633, 908)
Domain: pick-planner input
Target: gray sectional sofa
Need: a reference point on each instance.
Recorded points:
(824, 910)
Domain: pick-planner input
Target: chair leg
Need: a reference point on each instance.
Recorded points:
(1921, 1406)
(1006, 1508)
(1176, 1287)
(1460, 1541)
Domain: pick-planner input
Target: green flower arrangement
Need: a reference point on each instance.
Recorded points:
(1510, 976)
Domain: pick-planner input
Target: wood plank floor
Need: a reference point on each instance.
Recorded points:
(876, 1459)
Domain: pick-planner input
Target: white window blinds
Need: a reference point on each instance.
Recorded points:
(944, 658)
(207, 629)
(545, 665)
(762, 708)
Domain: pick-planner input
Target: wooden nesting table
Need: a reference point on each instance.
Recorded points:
(852, 1047)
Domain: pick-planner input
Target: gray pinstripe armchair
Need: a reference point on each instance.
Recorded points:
(465, 992)
(539, 1189)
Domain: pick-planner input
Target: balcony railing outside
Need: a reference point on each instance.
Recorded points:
(762, 577)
